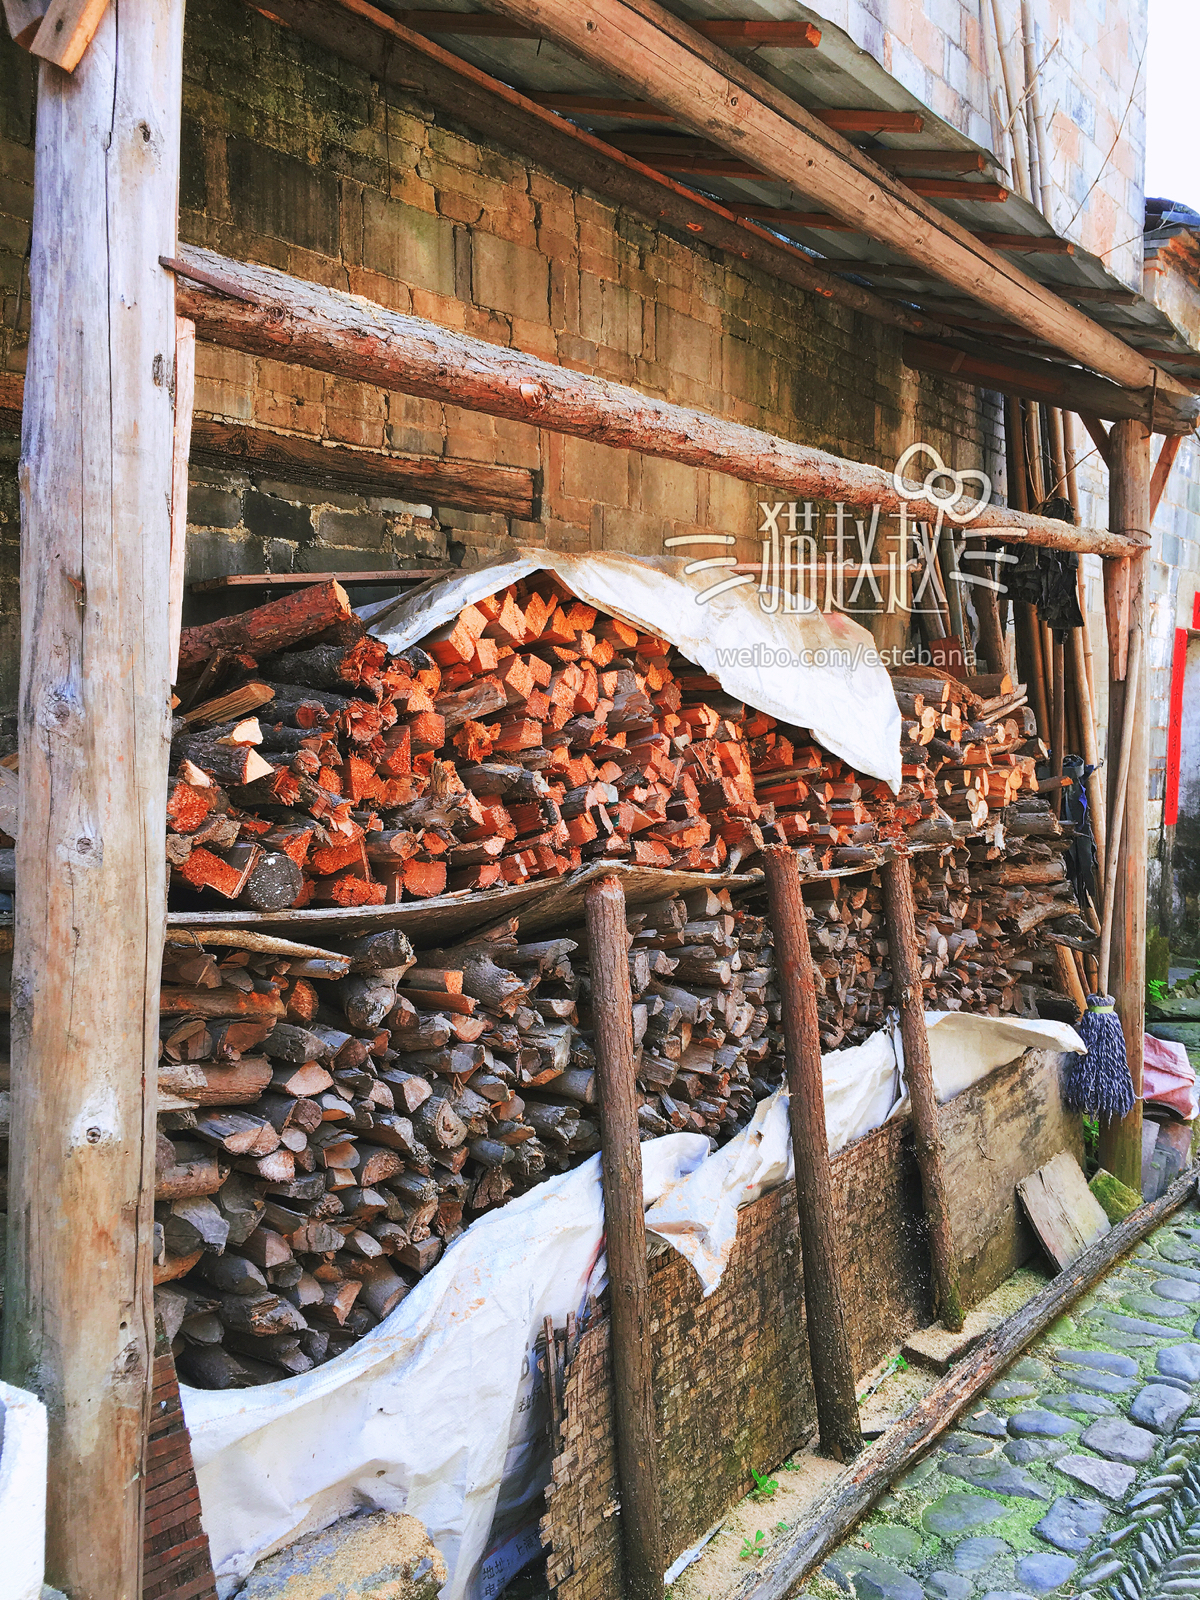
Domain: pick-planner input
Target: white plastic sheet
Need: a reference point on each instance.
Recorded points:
(436, 1412)
(814, 670)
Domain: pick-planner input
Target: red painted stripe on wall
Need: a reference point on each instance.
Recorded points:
(1175, 725)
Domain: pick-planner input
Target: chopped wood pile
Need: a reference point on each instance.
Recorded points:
(527, 737)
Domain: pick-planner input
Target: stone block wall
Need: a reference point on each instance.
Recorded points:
(295, 159)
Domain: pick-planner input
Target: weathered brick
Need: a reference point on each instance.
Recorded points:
(401, 242)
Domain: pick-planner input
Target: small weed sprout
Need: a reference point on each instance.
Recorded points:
(753, 1548)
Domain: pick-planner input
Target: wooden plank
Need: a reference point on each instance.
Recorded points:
(66, 31)
(1028, 243)
(826, 1524)
(625, 1241)
(1065, 1214)
(185, 394)
(270, 313)
(470, 485)
(79, 1326)
(733, 32)
(649, 50)
(850, 120)
(824, 1296)
(1162, 471)
(301, 580)
(1029, 378)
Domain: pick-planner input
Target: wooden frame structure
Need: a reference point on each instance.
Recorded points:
(96, 632)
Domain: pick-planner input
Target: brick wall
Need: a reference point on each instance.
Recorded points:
(295, 159)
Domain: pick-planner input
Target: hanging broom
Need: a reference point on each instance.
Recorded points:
(1100, 1081)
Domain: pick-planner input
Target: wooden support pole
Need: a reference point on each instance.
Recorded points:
(625, 1237)
(918, 1074)
(95, 552)
(824, 1300)
(263, 311)
(1129, 507)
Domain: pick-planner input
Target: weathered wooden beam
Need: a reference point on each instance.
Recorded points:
(1049, 382)
(824, 1297)
(359, 32)
(654, 54)
(1162, 471)
(927, 161)
(1126, 604)
(267, 312)
(850, 120)
(625, 1241)
(1099, 435)
(909, 991)
(95, 544)
(471, 485)
(732, 32)
(826, 1524)
(1028, 243)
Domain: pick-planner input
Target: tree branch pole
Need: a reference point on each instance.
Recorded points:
(1125, 910)
(263, 311)
(625, 1232)
(918, 1074)
(96, 468)
(824, 1301)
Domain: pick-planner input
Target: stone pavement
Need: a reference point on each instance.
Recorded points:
(1077, 1473)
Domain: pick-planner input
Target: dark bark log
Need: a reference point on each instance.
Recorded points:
(918, 1072)
(824, 1302)
(625, 1232)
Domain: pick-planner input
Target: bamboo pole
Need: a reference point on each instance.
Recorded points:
(918, 1074)
(1125, 868)
(1037, 121)
(95, 547)
(1020, 154)
(1059, 729)
(625, 1240)
(824, 1298)
(1120, 794)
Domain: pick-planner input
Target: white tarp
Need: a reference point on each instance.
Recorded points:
(436, 1412)
(815, 670)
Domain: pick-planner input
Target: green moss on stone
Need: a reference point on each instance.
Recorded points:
(1116, 1198)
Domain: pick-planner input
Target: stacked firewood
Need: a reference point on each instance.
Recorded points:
(334, 1121)
(972, 749)
(527, 737)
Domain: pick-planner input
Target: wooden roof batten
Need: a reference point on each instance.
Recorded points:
(263, 311)
(376, 43)
(656, 56)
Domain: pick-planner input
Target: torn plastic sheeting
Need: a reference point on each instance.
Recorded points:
(435, 1412)
(697, 1215)
(813, 670)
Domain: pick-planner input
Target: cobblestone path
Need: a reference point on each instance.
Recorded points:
(1078, 1473)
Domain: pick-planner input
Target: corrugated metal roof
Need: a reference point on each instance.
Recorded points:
(837, 75)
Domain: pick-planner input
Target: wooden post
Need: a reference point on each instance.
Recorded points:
(824, 1302)
(625, 1231)
(918, 1073)
(95, 544)
(1059, 718)
(1125, 601)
